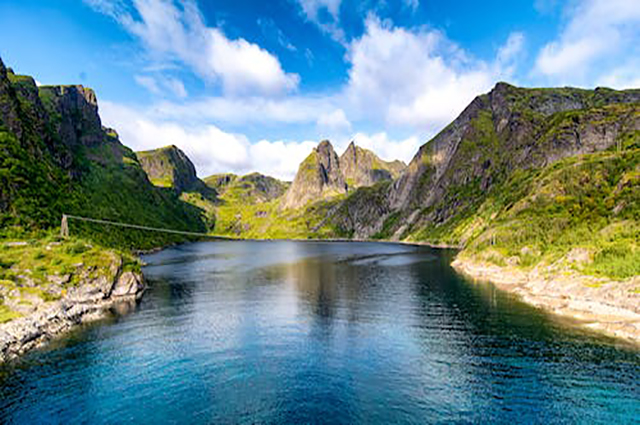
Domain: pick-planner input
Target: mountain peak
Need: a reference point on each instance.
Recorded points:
(319, 176)
(362, 167)
(168, 167)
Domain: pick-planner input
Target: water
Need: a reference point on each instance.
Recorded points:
(305, 332)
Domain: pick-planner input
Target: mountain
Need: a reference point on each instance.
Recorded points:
(318, 177)
(169, 167)
(251, 188)
(55, 158)
(361, 167)
(523, 176)
(506, 130)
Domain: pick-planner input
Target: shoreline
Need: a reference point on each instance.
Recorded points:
(89, 301)
(603, 305)
(609, 307)
(387, 241)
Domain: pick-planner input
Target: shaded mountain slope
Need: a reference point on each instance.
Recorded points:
(361, 167)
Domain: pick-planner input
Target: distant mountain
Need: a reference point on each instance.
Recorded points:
(169, 167)
(251, 188)
(361, 167)
(318, 177)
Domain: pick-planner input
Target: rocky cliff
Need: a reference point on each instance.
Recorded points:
(318, 177)
(168, 167)
(506, 130)
(361, 167)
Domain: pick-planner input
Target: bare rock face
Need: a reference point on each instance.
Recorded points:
(129, 284)
(77, 108)
(319, 176)
(168, 167)
(361, 167)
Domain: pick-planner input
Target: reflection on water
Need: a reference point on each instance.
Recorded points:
(308, 332)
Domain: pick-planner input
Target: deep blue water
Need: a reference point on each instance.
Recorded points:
(306, 332)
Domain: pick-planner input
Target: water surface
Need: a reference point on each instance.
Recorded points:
(308, 332)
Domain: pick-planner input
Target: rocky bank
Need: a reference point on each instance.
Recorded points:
(90, 299)
(601, 304)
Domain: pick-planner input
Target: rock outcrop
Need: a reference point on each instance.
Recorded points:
(170, 167)
(318, 177)
(90, 299)
(361, 167)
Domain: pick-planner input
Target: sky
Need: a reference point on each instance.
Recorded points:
(254, 85)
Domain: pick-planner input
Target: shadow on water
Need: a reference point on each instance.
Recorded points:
(309, 332)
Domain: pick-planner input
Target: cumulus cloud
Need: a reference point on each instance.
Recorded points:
(601, 32)
(178, 33)
(211, 149)
(419, 78)
(334, 121)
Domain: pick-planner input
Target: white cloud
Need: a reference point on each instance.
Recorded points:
(334, 121)
(412, 4)
(597, 35)
(248, 110)
(508, 54)
(159, 86)
(389, 149)
(148, 83)
(211, 149)
(170, 32)
(418, 78)
(326, 15)
(176, 87)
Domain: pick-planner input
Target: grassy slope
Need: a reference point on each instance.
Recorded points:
(103, 181)
(242, 214)
(537, 217)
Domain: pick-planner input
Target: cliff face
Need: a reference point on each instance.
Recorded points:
(506, 130)
(512, 128)
(361, 167)
(318, 177)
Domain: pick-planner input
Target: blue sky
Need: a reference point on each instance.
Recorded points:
(253, 85)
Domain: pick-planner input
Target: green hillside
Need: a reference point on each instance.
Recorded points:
(55, 158)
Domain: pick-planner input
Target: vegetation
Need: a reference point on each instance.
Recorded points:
(28, 269)
(588, 205)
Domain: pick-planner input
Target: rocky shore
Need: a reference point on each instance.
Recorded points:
(88, 300)
(604, 305)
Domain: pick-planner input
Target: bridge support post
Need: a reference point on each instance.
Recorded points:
(64, 227)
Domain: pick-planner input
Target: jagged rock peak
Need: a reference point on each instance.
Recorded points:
(319, 176)
(362, 167)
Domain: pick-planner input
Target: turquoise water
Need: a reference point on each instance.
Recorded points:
(306, 332)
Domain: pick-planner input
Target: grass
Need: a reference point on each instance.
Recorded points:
(25, 267)
(6, 314)
(590, 202)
